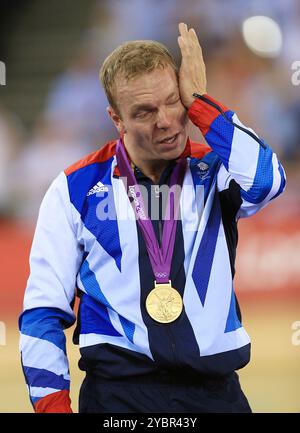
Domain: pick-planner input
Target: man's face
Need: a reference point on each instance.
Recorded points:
(152, 115)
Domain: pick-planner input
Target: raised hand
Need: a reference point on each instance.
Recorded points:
(192, 74)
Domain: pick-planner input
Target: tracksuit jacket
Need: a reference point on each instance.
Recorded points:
(88, 243)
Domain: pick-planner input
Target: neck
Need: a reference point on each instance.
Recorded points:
(151, 168)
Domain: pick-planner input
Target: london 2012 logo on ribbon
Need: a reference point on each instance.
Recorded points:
(2, 74)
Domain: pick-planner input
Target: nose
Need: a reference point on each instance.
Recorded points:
(163, 120)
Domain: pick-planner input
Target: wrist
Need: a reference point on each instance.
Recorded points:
(189, 102)
(199, 94)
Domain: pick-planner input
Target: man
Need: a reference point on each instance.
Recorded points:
(159, 326)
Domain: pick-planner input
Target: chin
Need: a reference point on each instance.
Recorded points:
(175, 154)
(172, 151)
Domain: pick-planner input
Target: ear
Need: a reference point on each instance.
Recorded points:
(116, 119)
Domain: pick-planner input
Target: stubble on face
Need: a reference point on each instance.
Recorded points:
(153, 117)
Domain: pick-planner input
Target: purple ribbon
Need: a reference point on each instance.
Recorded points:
(160, 258)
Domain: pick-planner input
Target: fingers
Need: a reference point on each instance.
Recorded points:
(188, 38)
(182, 45)
(193, 35)
(184, 37)
(185, 32)
(183, 29)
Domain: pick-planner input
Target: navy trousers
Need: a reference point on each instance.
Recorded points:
(162, 393)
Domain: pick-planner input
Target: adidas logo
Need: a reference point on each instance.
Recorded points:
(99, 187)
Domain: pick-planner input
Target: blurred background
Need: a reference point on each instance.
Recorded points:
(52, 112)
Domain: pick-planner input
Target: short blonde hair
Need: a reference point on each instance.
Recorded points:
(131, 59)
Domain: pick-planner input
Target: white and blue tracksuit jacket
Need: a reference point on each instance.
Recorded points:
(105, 262)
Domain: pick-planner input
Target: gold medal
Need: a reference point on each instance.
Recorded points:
(164, 304)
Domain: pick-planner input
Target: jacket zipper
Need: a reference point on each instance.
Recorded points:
(173, 345)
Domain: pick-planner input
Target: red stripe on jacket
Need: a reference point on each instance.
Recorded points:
(57, 402)
(192, 149)
(202, 114)
(101, 155)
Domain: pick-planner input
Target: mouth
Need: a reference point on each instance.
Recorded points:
(170, 139)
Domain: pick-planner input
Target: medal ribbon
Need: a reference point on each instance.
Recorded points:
(160, 258)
